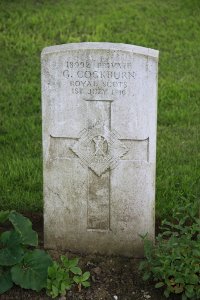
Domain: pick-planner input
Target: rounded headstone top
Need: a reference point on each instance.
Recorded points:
(102, 45)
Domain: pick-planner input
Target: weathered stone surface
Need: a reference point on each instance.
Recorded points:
(99, 103)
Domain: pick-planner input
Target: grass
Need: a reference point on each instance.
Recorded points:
(170, 26)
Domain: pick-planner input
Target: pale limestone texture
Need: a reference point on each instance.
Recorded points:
(99, 108)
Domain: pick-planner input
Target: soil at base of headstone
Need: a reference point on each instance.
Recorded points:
(111, 277)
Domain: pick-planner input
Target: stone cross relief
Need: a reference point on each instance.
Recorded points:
(100, 148)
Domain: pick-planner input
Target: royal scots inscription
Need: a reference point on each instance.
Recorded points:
(99, 77)
(99, 142)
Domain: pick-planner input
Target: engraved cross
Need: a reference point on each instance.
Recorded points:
(100, 149)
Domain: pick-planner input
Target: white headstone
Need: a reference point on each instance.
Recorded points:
(99, 103)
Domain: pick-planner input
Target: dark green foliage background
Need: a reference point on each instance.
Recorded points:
(173, 27)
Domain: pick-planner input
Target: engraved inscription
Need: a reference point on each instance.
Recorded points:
(99, 77)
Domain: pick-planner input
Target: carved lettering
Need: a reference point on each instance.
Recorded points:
(99, 77)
